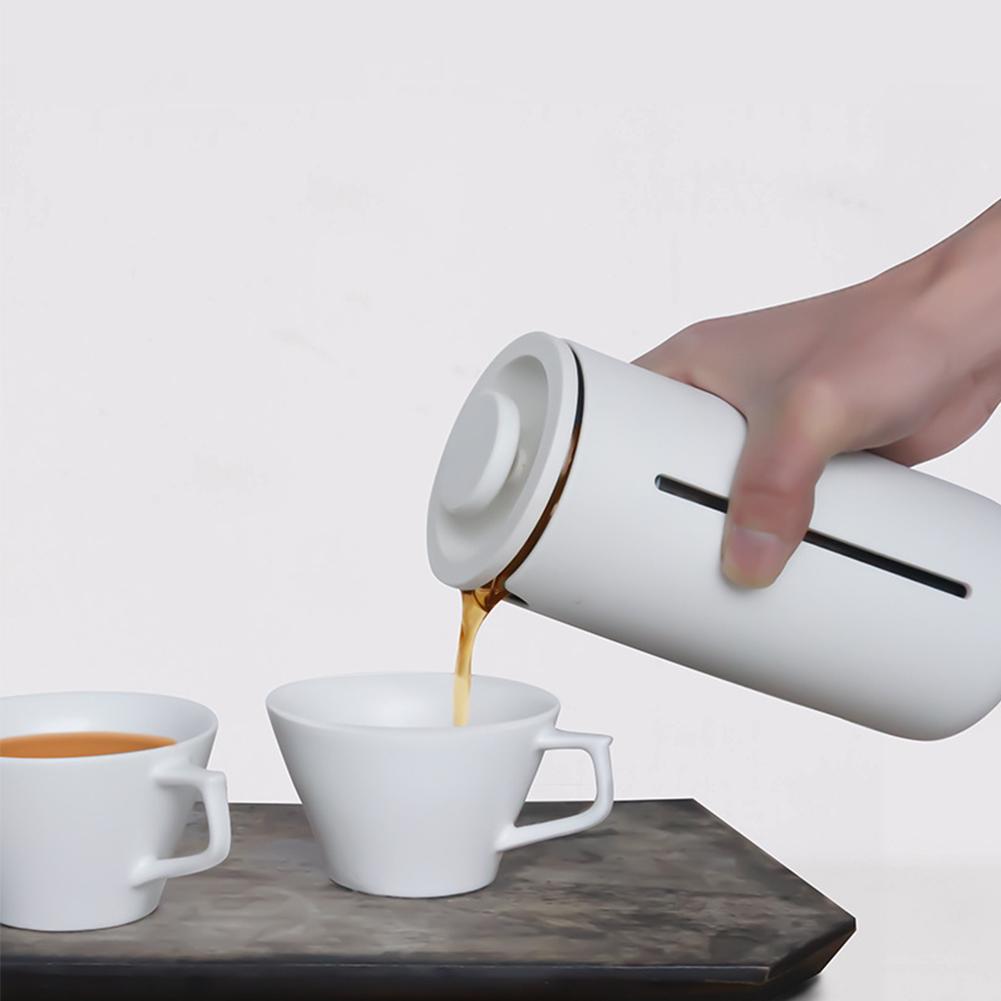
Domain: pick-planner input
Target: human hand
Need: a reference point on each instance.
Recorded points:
(907, 365)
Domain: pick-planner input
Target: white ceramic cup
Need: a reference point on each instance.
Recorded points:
(405, 804)
(87, 842)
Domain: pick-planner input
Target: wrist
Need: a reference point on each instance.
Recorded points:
(957, 293)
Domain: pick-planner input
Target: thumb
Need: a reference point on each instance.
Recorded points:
(771, 499)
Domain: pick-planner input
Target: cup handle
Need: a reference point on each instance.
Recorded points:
(596, 745)
(212, 792)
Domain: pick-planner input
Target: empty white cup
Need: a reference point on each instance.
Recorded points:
(87, 842)
(405, 804)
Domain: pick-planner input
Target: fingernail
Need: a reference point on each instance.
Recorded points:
(752, 558)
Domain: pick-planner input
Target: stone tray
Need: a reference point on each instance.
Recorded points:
(663, 900)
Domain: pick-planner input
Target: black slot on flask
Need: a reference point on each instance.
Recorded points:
(920, 575)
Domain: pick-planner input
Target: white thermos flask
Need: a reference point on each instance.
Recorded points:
(599, 490)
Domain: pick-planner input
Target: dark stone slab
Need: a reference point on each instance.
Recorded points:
(663, 900)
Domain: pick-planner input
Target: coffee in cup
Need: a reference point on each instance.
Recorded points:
(97, 788)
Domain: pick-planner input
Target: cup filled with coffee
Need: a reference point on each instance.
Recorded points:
(406, 804)
(96, 790)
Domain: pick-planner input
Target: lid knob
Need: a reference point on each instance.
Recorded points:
(479, 454)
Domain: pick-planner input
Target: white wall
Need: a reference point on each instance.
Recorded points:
(257, 253)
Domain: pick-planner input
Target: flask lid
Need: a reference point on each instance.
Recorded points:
(502, 460)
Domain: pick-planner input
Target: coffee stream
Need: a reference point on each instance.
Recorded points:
(79, 744)
(476, 606)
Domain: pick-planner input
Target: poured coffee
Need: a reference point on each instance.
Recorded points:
(79, 744)
(475, 607)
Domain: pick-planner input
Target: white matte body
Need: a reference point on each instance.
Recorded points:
(88, 842)
(624, 560)
(405, 804)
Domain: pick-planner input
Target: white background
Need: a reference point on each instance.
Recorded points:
(256, 254)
